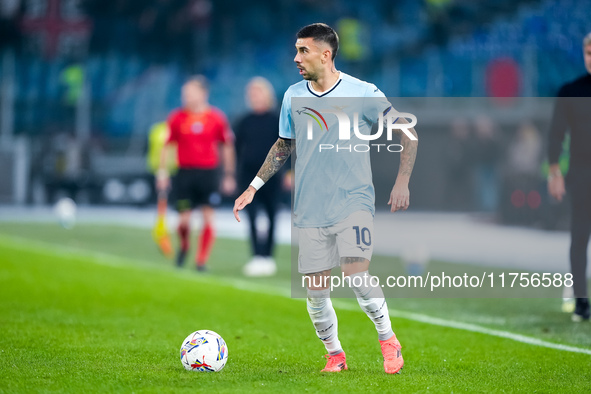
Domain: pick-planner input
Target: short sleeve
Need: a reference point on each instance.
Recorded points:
(375, 102)
(285, 123)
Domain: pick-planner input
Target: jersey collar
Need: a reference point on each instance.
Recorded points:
(318, 94)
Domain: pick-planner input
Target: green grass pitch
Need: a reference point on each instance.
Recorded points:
(96, 309)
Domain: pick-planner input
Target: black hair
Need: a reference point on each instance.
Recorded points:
(321, 32)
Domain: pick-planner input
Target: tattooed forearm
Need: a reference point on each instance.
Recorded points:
(409, 149)
(408, 154)
(277, 156)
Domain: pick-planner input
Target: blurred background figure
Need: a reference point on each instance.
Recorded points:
(65, 165)
(459, 182)
(157, 137)
(486, 149)
(198, 129)
(572, 112)
(521, 176)
(256, 132)
(524, 152)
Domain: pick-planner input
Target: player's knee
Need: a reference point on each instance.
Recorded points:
(354, 265)
(365, 285)
(315, 282)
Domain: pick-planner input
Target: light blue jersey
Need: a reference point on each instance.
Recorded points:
(332, 171)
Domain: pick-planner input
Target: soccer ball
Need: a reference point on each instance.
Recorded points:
(204, 351)
(65, 210)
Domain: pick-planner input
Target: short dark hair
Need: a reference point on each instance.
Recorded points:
(321, 32)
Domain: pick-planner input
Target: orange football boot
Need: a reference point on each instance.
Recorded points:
(393, 361)
(335, 363)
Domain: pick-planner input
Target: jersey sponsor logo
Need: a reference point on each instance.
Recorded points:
(305, 112)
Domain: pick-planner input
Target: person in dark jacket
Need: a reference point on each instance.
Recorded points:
(572, 112)
(256, 132)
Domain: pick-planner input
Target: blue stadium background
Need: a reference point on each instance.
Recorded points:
(410, 48)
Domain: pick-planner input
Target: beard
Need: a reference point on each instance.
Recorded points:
(308, 76)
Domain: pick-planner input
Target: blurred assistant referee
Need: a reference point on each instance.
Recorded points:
(198, 129)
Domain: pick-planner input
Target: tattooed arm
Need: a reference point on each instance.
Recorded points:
(276, 158)
(400, 195)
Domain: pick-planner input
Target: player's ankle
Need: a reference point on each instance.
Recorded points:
(387, 336)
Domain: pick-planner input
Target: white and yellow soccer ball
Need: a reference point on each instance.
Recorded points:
(204, 351)
(65, 210)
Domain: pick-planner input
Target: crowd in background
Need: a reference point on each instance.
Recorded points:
(133, 48)
(124, 64)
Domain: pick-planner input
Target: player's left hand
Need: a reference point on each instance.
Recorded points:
(399, 197)
(228, 185)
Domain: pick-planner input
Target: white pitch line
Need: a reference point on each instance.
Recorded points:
(106, 259)
(474, 328)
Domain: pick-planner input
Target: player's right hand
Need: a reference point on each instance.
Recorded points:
(242, 201)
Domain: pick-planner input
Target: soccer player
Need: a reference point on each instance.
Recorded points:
(334, 197)
(198, 129)
(572, 112)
